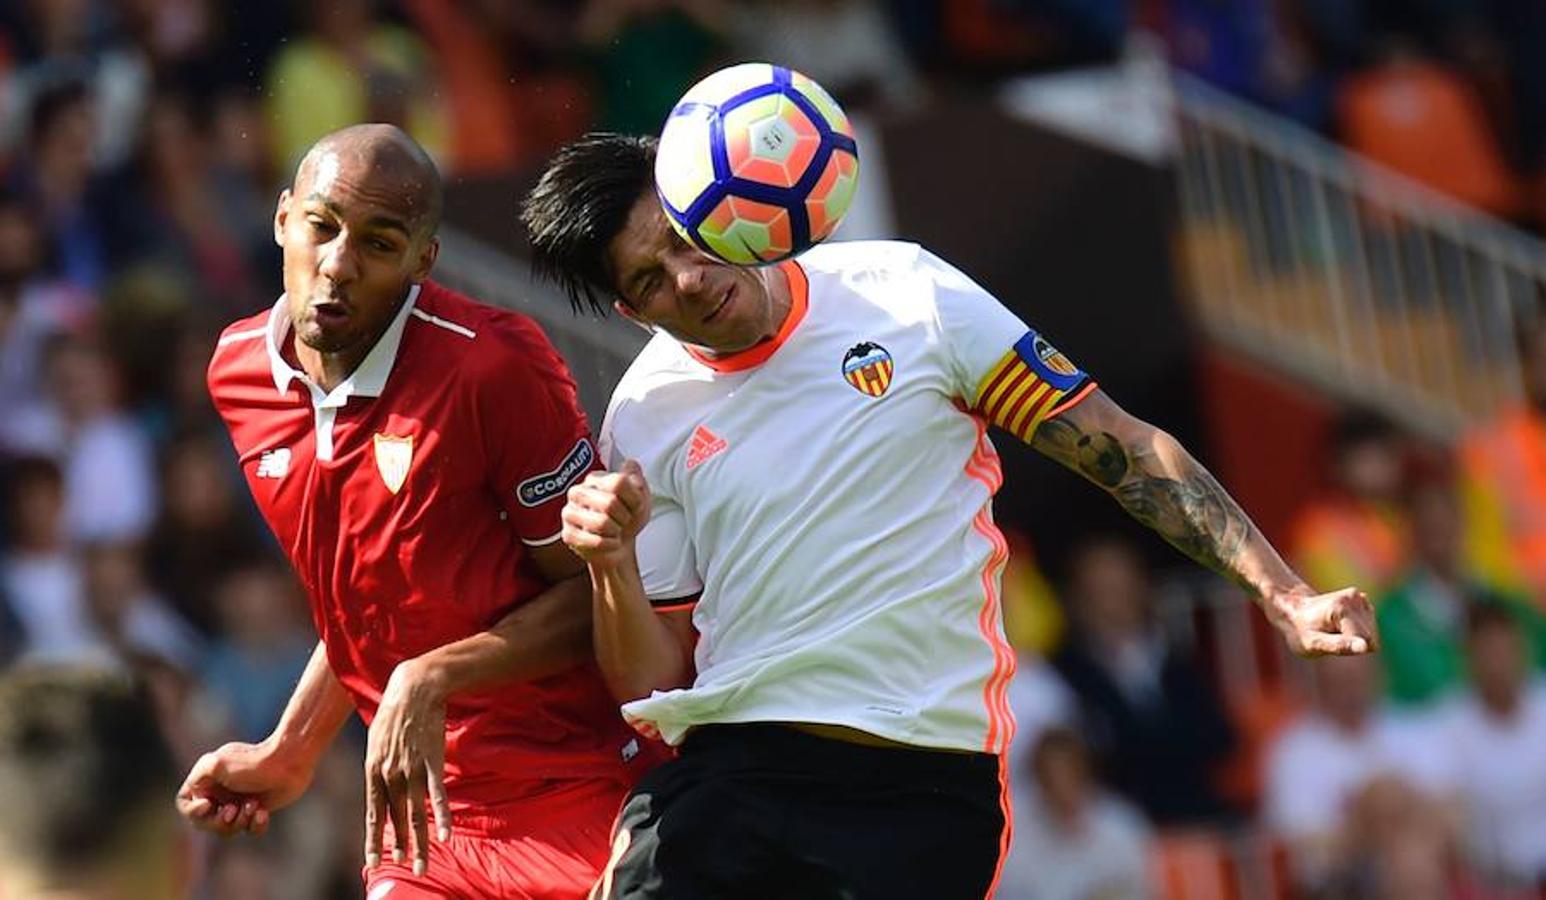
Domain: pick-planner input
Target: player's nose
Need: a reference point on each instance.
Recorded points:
(338, 261)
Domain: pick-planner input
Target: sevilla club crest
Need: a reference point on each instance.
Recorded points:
(868, 367)
(393, 453)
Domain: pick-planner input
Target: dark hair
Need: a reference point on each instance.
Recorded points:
(29, 470)
(1488, 615)
(81, 760)
(1359, 426)
(51, 104)
(579, 205)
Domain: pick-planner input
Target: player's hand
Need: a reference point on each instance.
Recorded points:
(405, 763)
(605, 513)
(1340, 623)
(238, 787)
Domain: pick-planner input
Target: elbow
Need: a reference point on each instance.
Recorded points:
(636, 683)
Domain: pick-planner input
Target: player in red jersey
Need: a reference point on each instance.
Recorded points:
(411, 449)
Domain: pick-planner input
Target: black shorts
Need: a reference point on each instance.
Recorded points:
(765, 812)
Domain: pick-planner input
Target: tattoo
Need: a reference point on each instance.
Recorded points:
(1182, 502)
(1193, 511)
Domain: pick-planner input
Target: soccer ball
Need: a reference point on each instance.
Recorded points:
(756, 164)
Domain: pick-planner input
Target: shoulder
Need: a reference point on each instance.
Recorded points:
(652, 387)
(241, 348)
(480, 341)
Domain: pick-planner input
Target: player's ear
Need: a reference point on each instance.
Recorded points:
(281, 212)
(426, 261)
(627, 312)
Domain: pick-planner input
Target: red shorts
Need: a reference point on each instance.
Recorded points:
(552, 848)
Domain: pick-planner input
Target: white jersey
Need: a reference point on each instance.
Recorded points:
(827, 493)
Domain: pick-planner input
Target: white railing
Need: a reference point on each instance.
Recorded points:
(1343, 273)
(597, 350)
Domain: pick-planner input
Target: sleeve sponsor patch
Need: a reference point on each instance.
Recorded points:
(539, 489)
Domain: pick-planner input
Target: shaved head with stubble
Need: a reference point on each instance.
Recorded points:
(358, 228)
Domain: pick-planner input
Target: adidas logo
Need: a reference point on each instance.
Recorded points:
(705, 444)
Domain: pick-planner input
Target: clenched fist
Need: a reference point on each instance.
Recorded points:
(605, 513)
(1340, 623)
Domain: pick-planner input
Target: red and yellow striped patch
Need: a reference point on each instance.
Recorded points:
(1013, 397)
(872, 379)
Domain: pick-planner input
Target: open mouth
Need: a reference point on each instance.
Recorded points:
(330, 314)
(720, 307)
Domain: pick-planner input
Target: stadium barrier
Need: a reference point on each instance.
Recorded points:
(1343, 273)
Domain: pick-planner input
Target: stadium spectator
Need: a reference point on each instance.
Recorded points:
(849, 46)
(40, 576)
(1340, 746)
(1354, 533)
(61, 177)
(85, 774)
(351, 67)
(205, 529)
(1072, 839)
(128, 615)
(1496, 737)
(1153, 719)
(110, 483)
(261, 650)
(33, 308)
(645, 53)
(1398, 843)
(1422, 620)
(1421, 118)
(65, 42)
(192, 217)
(1503, 466)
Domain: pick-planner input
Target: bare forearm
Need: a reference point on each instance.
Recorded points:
(317, 710)
(1161, 485)
(544, 636)
(1172, 493)
(638, 653)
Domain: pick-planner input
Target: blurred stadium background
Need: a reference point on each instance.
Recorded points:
(1303, 235)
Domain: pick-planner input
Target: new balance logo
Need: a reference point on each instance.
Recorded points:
(274, 463)
(705, 444)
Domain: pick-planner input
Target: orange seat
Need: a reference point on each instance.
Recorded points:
(1423, 120)
(1190, 865)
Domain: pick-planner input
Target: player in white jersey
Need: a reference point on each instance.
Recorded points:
(794, 561)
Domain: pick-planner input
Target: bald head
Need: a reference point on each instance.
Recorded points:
(384, 155)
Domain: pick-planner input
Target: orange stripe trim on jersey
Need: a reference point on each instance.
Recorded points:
(984, 467)
(675, 607)
(756, 355)
(1006, 837)
(1071, 402)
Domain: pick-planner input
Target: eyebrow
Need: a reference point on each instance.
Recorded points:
(376, 221)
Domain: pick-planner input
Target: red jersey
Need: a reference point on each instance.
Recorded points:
(406, 499)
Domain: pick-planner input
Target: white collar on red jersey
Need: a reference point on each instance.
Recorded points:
(368, 378)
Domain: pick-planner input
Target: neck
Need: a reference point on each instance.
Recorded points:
(781, 303)
(329, 369)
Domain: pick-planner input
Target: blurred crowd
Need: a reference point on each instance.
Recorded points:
(142, 144)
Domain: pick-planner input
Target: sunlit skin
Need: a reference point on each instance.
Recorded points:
(357, 231)
(667, 283)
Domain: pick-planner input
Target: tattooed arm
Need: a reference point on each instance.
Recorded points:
(1162, 486)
